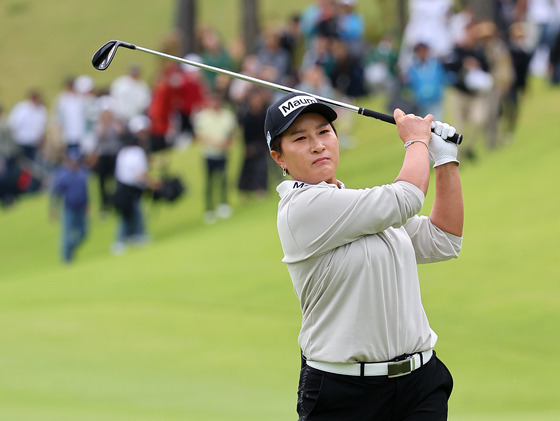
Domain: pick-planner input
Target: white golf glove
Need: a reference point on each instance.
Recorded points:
(442, 152)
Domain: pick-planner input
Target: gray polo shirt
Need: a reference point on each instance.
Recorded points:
(352, 257)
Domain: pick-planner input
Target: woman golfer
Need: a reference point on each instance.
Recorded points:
(367, 346)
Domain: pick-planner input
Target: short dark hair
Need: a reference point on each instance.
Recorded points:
(276, 144)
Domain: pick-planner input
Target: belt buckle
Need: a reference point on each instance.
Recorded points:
(399, 368)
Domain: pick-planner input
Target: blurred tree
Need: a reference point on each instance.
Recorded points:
(250, 24)
(185, 25)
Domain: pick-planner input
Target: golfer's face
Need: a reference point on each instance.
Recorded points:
(310, 149)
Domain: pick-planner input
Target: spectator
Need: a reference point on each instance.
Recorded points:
(320, 52)
(380, 70)
(254, 171)
(521, 55)
(85, 87)
(471, 81)
(347, 78)
(427, 80)
(545, 15)
(108, 131)
(291, 40)
(132, 176)
(502, 72)
(9, 168)
(131, 93)
(458, 22)
(214, 54)
(28, 123)
(347, 75)
(214, 127)
(238, 89)
(71, 186)
(507, 13)
(164, 107)
(350, 27)
(427, 21)
(193, 97)
(318, 19)
(315, 81)
(271, 53)
(270, 73)
(70, 114)
(554, 61)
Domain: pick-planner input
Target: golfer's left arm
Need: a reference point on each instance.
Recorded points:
(447, 212)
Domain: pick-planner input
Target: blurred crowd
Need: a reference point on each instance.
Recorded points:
(113, 133)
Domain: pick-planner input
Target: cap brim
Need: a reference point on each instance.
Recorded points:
(318, 108)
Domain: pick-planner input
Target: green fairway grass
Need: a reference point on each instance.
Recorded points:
(202, 323)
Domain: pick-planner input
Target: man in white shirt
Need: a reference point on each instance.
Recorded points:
(131, 173)
(132, 95)
(28, 124)
(70, 114)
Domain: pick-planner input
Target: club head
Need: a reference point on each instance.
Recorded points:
(105, 54)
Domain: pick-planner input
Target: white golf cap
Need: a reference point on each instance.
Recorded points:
(139, 123)
(191, 57)
(83, 84)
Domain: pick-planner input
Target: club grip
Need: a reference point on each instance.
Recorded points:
(456, 138)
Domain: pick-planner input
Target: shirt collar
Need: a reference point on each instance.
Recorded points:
(286, 186)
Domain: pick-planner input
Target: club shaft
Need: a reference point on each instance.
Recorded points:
(363, 111)
(249, 79)
(102, 58)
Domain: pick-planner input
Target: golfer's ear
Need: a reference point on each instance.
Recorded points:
(278, 158)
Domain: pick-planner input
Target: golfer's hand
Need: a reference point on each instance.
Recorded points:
(442, 152)
(412, 127)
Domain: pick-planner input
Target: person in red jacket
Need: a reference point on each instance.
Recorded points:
(194, 92)
(177, 93)
(166, 99)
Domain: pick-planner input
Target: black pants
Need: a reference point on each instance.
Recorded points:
(216, 174)
(419, 396)
(106, 170)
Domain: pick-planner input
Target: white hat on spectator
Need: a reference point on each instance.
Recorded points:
(139, 123)
(83, 84)
(191, 57)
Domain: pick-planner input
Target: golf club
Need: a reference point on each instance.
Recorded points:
(105, 54)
